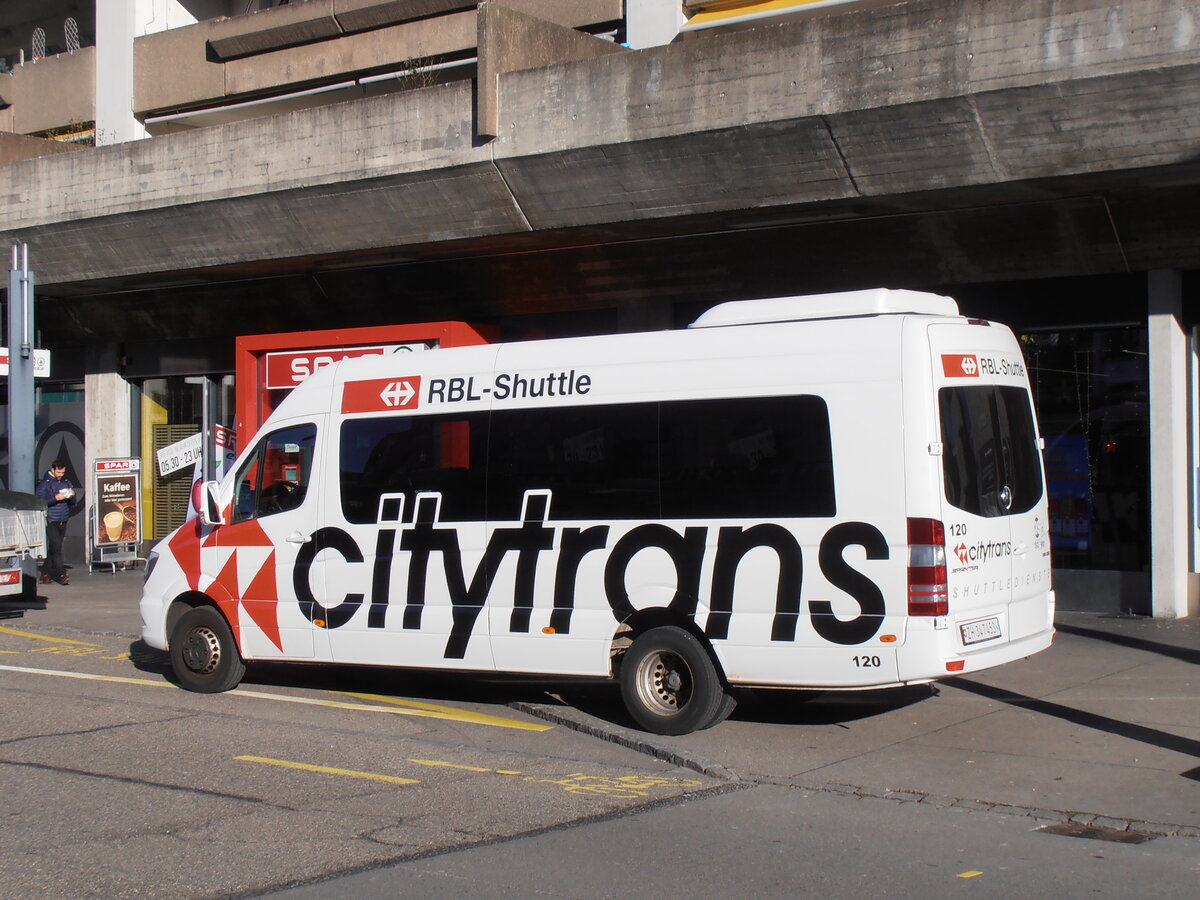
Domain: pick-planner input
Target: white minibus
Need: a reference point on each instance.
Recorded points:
(842, 491)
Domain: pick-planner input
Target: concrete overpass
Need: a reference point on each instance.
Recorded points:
(925, 143)
(929, 143)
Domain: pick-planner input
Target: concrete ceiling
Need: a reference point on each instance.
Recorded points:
(686, 174)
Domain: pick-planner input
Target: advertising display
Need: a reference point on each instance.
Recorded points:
(116, 526)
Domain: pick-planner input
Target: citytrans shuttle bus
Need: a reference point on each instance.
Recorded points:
(831, 492)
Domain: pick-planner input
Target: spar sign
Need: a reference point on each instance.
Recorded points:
(286, 369)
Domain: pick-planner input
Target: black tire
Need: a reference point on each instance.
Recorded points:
(728, 705)
(203, 653)
(669, 684)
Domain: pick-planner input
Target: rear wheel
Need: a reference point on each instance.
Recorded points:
(203, 653)
(669, 684)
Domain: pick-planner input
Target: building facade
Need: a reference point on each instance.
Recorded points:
(187, 172)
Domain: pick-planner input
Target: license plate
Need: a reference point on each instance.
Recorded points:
(978, 632)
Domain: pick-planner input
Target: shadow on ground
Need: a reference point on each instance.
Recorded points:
(601, 699)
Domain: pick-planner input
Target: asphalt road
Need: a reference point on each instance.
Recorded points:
(327, 782)
(771, 841)
(118, 784)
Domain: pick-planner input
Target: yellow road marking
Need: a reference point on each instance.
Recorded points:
(44, 637)
(627, 787)
(446, 765)
(86, 676)
(458, 714)
(328, 770)
(447, 713)
(970, 874)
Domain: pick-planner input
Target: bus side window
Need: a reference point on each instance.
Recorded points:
(275, 477)
(411, 455)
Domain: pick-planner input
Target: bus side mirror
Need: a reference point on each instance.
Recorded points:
(210, 507)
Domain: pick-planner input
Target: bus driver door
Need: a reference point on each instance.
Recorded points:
(272, 522)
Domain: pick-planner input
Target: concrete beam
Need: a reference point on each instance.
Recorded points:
(272, 29)
(171, 69)
(395, 47)
(53, 92)
(908, 101)
(509, 40)
(359, 15)
(17, 146)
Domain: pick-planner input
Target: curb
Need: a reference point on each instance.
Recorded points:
(569, 717)
(640, 741)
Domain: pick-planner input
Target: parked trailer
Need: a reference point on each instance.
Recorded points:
(22, 540)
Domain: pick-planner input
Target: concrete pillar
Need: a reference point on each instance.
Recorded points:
(652, 23)
(106, 408)
(1169, 464)
(115, 122)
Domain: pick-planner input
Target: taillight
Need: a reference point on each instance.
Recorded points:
(927, 568)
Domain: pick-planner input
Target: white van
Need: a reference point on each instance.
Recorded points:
(836, 491)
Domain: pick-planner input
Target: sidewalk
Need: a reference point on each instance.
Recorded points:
(1103, 727)
(97, 602)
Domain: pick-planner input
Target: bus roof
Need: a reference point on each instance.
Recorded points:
(877, 301)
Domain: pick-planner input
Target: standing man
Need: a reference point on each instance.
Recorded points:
(58, 492)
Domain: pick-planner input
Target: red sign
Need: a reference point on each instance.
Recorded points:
(118, 465)
(382, 394)
(288, 369)
(960, 365)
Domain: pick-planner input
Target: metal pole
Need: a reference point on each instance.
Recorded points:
(207, 396)
(20, 413)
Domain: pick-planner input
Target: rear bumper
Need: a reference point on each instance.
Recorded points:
(932, 652)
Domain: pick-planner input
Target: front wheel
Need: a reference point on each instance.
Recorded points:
(669, 684)
(203, 653)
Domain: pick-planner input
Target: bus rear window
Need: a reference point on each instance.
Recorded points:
(990, 456)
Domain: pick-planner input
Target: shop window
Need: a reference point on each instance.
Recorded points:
(1091, 391)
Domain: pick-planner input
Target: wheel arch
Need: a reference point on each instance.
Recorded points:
(191, 600)
(643, 620)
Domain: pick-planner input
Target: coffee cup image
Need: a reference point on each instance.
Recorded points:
(113, 523)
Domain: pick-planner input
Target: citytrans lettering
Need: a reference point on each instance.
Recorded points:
(509, 386)
(982, 551)
(535, 542)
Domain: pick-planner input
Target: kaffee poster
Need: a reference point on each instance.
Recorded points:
(116, 499)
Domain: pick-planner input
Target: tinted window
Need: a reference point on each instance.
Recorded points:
(411, 454)
(990, 455)
(276, 476)
(760, 457)
(738, 458)
(600, 462)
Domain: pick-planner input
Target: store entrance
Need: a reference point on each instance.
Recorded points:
(173, 409)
